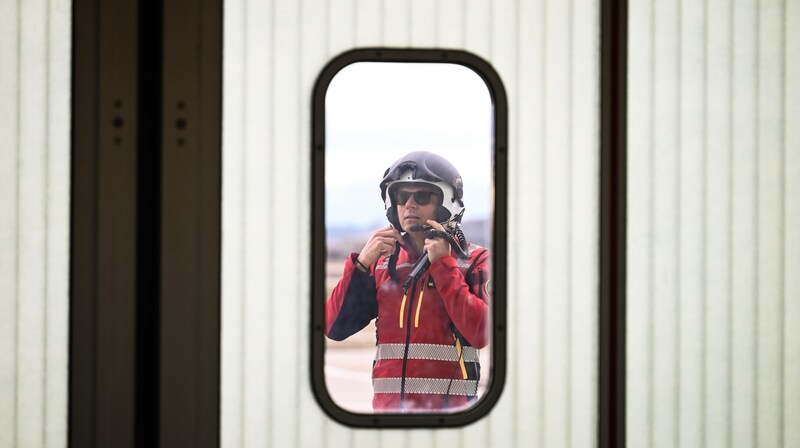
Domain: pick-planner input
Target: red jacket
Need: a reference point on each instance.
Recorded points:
(427, 336)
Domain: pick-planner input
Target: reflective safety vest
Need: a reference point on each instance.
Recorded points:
(428, 336)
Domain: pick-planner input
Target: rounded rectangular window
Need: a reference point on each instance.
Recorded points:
(408, 238)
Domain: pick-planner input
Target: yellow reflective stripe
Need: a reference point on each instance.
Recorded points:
(419, 306)
(402, 308)
(461, 359)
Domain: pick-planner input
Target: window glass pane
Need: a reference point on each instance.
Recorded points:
(394, 134)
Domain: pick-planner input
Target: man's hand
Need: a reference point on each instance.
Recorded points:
(436, 247)
(380, 243)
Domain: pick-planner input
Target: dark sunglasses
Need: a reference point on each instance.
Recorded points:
(420, 197)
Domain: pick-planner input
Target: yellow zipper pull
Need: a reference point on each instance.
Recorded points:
(402, 308)
(461, 358)
(419, 306)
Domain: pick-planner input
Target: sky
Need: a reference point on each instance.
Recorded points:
(378, 111)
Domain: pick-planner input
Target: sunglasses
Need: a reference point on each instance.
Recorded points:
(420, 197)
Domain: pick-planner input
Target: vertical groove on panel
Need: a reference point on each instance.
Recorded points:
(782, 229)
(489, 34)
(757, 208)
(409, 27)
(20, 75)
(753, 355)
(270, 192)
(381, 28)
(569, 258)
(756, 230)
(703, 357)
(651, 121)
(18, 170)
(327, 31)
(354, 38)
(677, 318)
(409, 23)
(242, 221)
(729, 238)
(437, 13)
(300, 335)
(542, 223)
(785, 193)
(46, 234)
(464, 28)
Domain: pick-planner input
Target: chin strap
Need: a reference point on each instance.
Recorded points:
(393, 263)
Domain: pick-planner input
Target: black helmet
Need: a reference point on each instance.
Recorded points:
(426, 168)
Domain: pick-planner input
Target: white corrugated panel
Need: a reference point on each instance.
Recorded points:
(714, 231)
(546, 53)
(34, 221)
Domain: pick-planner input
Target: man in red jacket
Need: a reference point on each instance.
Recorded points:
(432, 315)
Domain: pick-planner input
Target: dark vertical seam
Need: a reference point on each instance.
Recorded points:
(651, 231)
(243, 228)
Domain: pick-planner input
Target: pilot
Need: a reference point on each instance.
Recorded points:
(426, 286)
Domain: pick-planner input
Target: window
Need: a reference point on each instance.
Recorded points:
(401, 136)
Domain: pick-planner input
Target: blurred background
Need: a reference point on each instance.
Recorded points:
(376, 113)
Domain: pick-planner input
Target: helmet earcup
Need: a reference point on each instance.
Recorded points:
(391, 215)
(442, 214)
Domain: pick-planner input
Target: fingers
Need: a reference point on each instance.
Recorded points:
(390, 232)
(436, 247)
(381, 242)
(435, 225)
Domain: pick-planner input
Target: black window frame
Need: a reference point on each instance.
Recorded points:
(318, 240)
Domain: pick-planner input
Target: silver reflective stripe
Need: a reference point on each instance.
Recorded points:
(385, 265)
(433, 352)
(439, 386)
